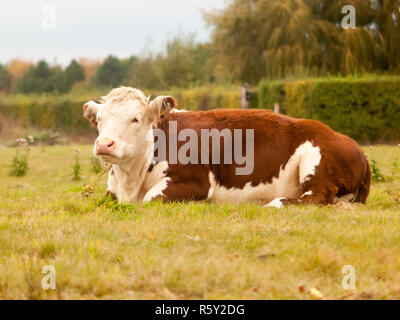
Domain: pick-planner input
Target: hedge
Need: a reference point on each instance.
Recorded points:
(49, 113)
(205, 98)
(64, 113)
(367, 108)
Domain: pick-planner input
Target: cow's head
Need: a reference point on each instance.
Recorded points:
(125, 119)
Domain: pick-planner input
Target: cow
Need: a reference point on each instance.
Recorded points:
(295, 161)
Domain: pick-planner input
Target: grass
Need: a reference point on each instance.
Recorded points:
(103, 250)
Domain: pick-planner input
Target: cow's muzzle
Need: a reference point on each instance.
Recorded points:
(105, 146)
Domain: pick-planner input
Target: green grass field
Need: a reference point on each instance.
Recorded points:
(189, 250)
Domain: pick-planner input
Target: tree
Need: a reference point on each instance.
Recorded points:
(110, 73)
(184, 63)
(17, 68)
(144, 72)
(235, 40)
(64, 80)
(74, 73)
(202, 69)
(388, 33)
(5, 79)
(89, 66)
(256, 38)
(275, 38)
(178, 62)
(37, 79)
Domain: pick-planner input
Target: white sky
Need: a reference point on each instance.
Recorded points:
(96, 28)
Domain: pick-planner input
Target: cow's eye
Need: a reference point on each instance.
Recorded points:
(135, 120)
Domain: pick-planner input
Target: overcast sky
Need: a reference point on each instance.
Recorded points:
(96, 28)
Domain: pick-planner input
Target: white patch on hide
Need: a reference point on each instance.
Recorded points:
(345, 198)
(155, 176)
(300, 167)
(154, 181)
(112, 184)
(178, 110)
(310, 159)
(157, 190)
(276, 203)
(210, 193)
(308, 193)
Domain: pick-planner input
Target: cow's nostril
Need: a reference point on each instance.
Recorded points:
(111, 144)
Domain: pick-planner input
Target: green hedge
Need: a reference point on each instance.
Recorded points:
(367, 108)
(212, 97)
(50, 113)
(64, 113)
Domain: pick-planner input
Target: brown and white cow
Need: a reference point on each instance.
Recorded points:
(296, 161)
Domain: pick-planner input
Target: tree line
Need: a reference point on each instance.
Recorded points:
(250, 40)
(184, 63)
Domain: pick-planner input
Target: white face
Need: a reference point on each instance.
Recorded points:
(125, 125)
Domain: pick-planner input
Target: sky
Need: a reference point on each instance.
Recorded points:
(60, 30)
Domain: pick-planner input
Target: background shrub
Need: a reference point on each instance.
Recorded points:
(367, 108)
(209, 97)
(5, 79)
(63, 113)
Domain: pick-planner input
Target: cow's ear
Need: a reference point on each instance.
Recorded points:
(90, 112)
(160, 106)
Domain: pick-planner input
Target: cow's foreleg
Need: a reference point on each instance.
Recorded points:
(157, 191)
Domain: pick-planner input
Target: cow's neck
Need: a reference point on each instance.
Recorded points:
(130, 177)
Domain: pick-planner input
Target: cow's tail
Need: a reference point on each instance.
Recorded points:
(363, 191)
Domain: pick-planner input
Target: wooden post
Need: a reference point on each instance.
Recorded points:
(276, 107)
(244, 104)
